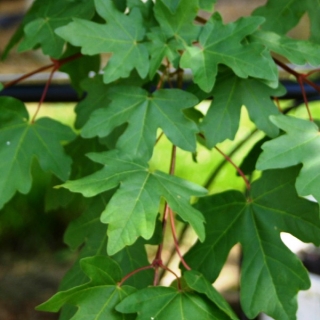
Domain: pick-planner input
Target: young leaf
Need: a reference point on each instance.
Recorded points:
(164, 303)
(296, 51)
(21, 141)
(207, 4)
(96, 299)
(281, 15)
(46, 17)
(145, 114)
(230, 94)
(300, 144)
(200, 284)
(222, 44)
(133, 209)
(268, 265)
(121, 36)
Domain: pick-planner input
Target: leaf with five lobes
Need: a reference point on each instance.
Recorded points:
(48, 16)
(96, 299)
(281, 15)
(271, 274)
(163, 303)
(300, 144)
(133, 209)
(222, 44)
(21, 141)
(121, 36)
(230, 93)
(178, 25)
(197, 282)
(145, 113)
(297, 51)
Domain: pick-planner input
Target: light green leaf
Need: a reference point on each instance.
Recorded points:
(281, 15)
(145, 113)
(230, 94)
(21, 142)
(271, 275)
(164, 303)
(133, 209)
(96, 299)
(46, 17)
(172, 5)
(121, 36)
(200, 284)
(300, 144)
(222, 44)
(296, 51)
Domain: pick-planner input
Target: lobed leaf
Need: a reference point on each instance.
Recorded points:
(271, 274)
(145, 114)
(222, 44)
(230, 94)
(21, 142)
(133, 209)
(121, 36)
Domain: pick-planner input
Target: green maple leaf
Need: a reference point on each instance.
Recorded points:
(300, 144)
(145, 113)
(230, 93)
(133, 209)
(45, 17)
(176, 19)
(164, 303)
(281, 15)
(96, 299)
(121, 36)
(197, 282)
(222, 44)
(297, 51)
(271, 274)
(21, 142)
(176, 30)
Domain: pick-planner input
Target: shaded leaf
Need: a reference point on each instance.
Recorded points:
(300, 144)
(230, 93)
(313, 9)
(133, 209)
(145, 114)
(164, 303)
(271, 274)
(200, 284)
(96, 299)
(21, 142)
(121, 36)
(222, 44)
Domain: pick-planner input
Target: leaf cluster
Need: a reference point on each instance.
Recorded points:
(133, 59)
